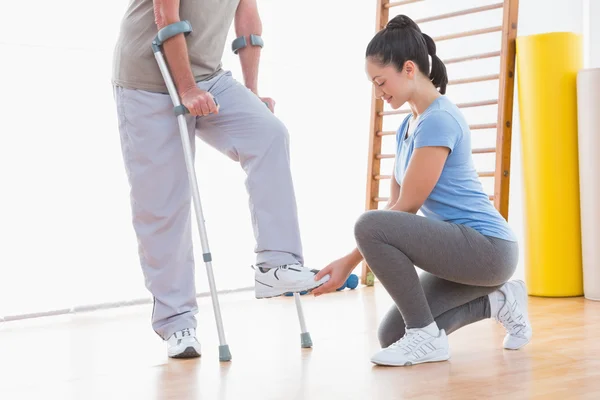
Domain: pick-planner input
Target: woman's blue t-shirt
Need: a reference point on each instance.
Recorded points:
(458, 196)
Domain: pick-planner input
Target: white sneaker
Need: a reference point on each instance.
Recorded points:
(183, 344)
(513, 315)
(285, 279)
(416, 347)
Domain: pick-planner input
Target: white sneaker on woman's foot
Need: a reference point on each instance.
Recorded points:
(416, 347)
(291, 278)
(183, 344)
(513, 315)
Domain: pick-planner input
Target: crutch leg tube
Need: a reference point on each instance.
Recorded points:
(305, 340)
(164, 34)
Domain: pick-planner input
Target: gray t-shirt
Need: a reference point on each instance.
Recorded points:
(134, 65)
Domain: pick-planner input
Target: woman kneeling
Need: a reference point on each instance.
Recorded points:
(464, 247)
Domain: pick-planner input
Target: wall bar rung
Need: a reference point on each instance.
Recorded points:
(474, 79)
(472, 57)
(475, 32)
(460, 13)
(400, 3)
(484, 150)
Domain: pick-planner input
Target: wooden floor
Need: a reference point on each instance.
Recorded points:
(114, 354)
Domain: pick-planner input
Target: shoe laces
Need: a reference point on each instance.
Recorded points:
(184, 335)
(284, 267)
(512, 318)
(411, 341)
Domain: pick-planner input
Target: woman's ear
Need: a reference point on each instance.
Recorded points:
(409, 69)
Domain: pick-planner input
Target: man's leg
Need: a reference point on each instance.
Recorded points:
(248, 132)
(161, 205)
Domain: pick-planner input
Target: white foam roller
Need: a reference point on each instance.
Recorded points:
(588, 114)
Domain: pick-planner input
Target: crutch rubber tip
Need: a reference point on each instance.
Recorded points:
(224, 353)
(306, 340)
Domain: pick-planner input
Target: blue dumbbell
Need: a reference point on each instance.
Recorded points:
(351, 283)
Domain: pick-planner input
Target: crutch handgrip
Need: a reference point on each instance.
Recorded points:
(169, 31)
(162, 36)
(182, 110)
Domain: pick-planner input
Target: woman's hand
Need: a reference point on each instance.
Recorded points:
(338, 272)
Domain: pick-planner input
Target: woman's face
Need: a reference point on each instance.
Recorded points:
(391, 86)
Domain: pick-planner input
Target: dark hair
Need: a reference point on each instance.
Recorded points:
(402, 40)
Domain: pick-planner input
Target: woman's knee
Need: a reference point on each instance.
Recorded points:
(504, 263)
(368, 226)
(378, 225)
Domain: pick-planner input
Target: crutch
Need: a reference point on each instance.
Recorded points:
(305, 340)
(180, 110)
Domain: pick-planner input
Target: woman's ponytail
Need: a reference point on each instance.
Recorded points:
(438, 75)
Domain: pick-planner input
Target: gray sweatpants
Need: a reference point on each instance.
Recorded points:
(461, 267)
(246, 131)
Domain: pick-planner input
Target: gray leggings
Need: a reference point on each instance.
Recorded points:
(461, 267)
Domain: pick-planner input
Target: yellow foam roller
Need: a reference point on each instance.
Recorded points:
(547, 67)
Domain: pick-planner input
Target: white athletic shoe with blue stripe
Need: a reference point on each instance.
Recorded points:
(183, 344)
(284, 279)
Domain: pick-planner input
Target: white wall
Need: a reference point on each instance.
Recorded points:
(591, 30)
(65, 234)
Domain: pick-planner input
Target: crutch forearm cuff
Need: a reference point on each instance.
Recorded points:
(240, 42)
(169, 31)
